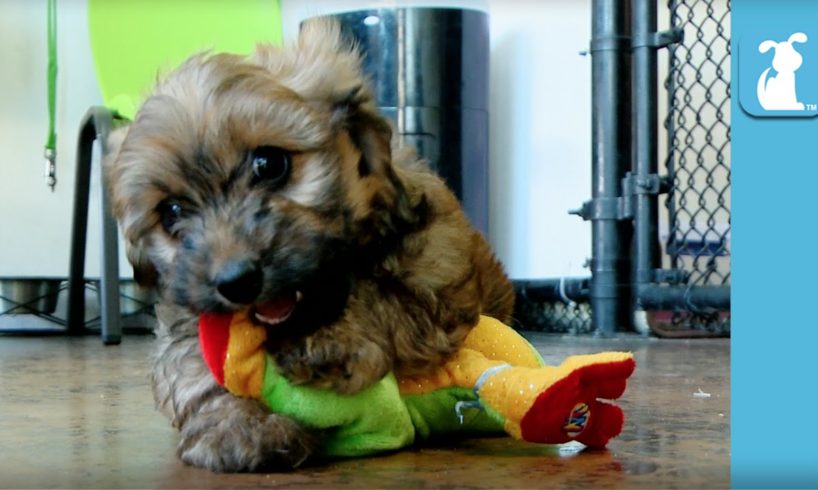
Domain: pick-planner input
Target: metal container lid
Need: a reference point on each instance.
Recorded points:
(423, 57)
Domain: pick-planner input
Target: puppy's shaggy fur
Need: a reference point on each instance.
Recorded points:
(270, 182)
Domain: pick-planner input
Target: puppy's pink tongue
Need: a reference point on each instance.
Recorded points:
(277, 310)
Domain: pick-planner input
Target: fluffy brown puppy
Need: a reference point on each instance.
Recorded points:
(269, 182)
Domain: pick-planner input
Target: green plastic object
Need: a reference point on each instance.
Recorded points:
(133, 41)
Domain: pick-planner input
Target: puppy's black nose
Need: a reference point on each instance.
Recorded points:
(240, 281)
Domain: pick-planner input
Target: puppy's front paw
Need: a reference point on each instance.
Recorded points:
(244, 439)
(343, 367)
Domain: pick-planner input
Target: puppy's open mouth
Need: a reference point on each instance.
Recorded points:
(277, 310)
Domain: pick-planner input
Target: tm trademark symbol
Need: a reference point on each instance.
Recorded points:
(811, 107)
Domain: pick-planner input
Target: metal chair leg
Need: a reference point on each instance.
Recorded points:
(96, 125)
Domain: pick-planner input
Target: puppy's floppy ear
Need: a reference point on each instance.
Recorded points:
(382, 207)
(368, 130)
(144, 272)
(325, 69)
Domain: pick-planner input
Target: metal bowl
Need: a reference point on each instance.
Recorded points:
(26, 296)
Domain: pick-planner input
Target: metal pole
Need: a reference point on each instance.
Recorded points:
(96, 125)
(670, 163)
(696, 298)
(76, 272)
(645, 129)
(111, 328)
(611, 109)
(552, 290)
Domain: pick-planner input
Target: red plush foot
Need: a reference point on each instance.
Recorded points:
(606, 423)
(569, 410)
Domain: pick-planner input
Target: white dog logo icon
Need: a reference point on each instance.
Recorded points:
(778, 93)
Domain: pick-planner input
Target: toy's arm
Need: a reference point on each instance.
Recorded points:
(490, 343)
(497, 341)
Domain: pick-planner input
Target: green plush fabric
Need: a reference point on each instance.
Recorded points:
(433, 414)
(372, 421)
(377, 419)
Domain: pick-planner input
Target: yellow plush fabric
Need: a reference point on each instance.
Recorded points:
(497, 341)
(245, 360)
(490, 343)
(462, 370)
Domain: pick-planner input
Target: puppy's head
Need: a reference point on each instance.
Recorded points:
(259, 181)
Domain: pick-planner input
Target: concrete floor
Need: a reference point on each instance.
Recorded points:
(75, 414)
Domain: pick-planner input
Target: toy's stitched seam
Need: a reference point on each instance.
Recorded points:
(481, 380)
(459, 406)
(486, 375)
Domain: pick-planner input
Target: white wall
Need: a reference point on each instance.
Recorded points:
(540, 135)
(34, 222)
(539, 115)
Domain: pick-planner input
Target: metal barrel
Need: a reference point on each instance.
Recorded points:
(429, 69)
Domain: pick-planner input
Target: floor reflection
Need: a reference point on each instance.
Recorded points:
(77, 414)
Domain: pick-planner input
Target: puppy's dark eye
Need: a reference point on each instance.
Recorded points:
(170, 212)
(270, 164)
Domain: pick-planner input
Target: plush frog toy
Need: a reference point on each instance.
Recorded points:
(496, 382)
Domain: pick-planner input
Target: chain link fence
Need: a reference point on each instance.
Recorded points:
(554, 317)
(697, 240)
(695, 224)
(560, 316)
(698, 131)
